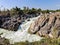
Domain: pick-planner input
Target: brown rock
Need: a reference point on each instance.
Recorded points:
(45, 24)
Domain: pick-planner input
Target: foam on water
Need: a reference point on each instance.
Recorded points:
(22, 34)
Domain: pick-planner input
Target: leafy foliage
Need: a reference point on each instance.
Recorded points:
(25, 10)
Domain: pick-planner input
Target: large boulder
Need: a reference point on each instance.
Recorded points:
(47, 24)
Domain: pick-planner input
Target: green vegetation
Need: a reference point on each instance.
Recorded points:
(45, 41)
(25, 10)
(28, 43)
(49, 41)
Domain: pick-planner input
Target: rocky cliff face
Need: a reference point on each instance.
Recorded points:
(46, 25)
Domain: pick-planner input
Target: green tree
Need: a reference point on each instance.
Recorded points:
(38, 10)
(32, 11)
(16, 11)
(25, 10)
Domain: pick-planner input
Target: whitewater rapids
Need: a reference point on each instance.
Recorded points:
(21, 35)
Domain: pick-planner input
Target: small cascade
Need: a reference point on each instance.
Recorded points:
(22, 34)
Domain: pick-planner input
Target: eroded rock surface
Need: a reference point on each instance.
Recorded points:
(46, 25)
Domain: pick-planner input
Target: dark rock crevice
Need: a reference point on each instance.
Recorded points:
(44, 23)
(53, 23)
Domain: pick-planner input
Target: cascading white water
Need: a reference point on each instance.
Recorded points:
(22, 34)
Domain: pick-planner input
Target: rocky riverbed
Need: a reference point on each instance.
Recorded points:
(21, 35)
(12, 22)
(32, 29)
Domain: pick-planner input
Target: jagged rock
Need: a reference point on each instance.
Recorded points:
(12, 24)
(45, 24)
(3, 19)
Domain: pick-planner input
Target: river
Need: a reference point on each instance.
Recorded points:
(21, 35)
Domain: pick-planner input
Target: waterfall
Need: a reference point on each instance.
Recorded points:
(22, 34)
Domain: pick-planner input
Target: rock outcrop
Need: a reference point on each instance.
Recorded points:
(46, 25)
(12, 24)
(3, 18)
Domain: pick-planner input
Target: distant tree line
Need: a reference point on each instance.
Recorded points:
(25, 10)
